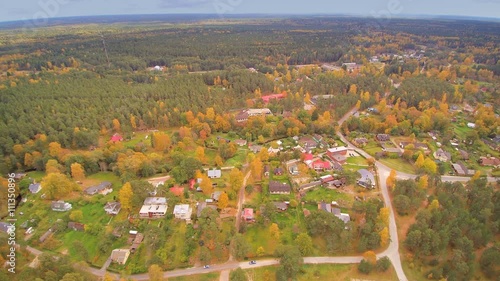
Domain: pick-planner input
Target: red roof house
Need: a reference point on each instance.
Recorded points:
(116, 138)
(177, 190)
(308, 157)
(268, 98)
(321, 165)
(248, 214)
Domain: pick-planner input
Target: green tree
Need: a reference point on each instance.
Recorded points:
(304, 243)
(240, 246)
(238, 275)
(290, 262)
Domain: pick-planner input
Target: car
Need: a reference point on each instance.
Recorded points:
(253, 262)
(206, 266)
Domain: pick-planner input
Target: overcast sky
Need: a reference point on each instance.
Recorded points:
(33, 9)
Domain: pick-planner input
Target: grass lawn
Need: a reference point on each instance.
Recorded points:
(461, 131)
(238, 159)
(213, 276)
(36, 175)
(137, 138)
(372, 148)
(323, 194)
(399, 165)
(337, 272)
(358, 160)
(258, 236)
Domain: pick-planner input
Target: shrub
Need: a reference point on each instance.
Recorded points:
(383, 264)
(365, 267)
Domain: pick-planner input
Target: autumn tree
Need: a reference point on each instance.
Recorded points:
(384, 236)
(370, 256)
(161, 141)
(55, 149)
(218, 161)
(223, 201)
(256, 167)
(52, 166)
(274, 231)
(155, 273)
(76, 215)
(206, 185)
(236, 179)
(77, 171)
(383, 216)
(420, 161)
(57, 186)
(200, 154)
(423, 181)
(116, 125)
(125, 196)
(391, 179)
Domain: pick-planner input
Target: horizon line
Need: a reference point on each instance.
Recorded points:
(279, 15)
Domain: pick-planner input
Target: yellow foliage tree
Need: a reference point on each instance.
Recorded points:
(391, 179)
(125, 195)
(57, 186)
(200, 154)
(55, 149)
(155, 273)
(423, 182)
(77, 171)
(384, 236)
(206, 185)
(218, 161)
(52, 166)
(383, 215)
(223, 201)
(370, 256)
(274, 230)
(236, 179)
(420, 161)
(116, 125)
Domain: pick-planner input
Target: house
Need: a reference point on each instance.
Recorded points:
(139, 237)
(326, 179)
(243, 115)
(5, 227)
(383, 137)
(120, 256)
(183, 212)
(327, 207)
(350, 66)
(293, 169)
(271, 150)
(247, 215)
(268, 98)
(19, 176)
(442, 155)
(489, 161)
(255, 148)
(76, 226)
(279, 188)
(308, 158)
(464, 155)
(321, 142)
(60, 206)
(102, 188)
(321, 165)
(112, 208)
(35, 188)
(367, 179)
(337, 154)
(266, 170)
(416, 145)
(214, 174)
(338, 183)
(46, 235)
(154, 207)
(471, 125)
(240, 142)
(282, 206)
(116, 138)
(360, 142)
(278, 171)
(461, 170)
(216, 195)
(157, 182)
(308, 143)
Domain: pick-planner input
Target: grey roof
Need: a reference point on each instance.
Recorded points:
(366, 177)
(4, 227)
(60, 205)
(278, 187)
(35, 187)
(216, 195)
(155, 201)
(96, 188)
(214, 173)
(281, 205)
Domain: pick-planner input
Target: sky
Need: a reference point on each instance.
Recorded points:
(33, 10)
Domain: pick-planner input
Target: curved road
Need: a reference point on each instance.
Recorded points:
(392, 251)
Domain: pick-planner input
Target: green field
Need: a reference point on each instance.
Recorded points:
(358, 160)
(398, 164)
(337, 272)
(323, 194)
(213, 276)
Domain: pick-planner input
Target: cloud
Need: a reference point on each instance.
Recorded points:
(183, 3)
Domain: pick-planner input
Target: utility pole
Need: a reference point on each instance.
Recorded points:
(105, 50)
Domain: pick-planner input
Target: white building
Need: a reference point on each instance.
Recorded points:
(183, 212)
